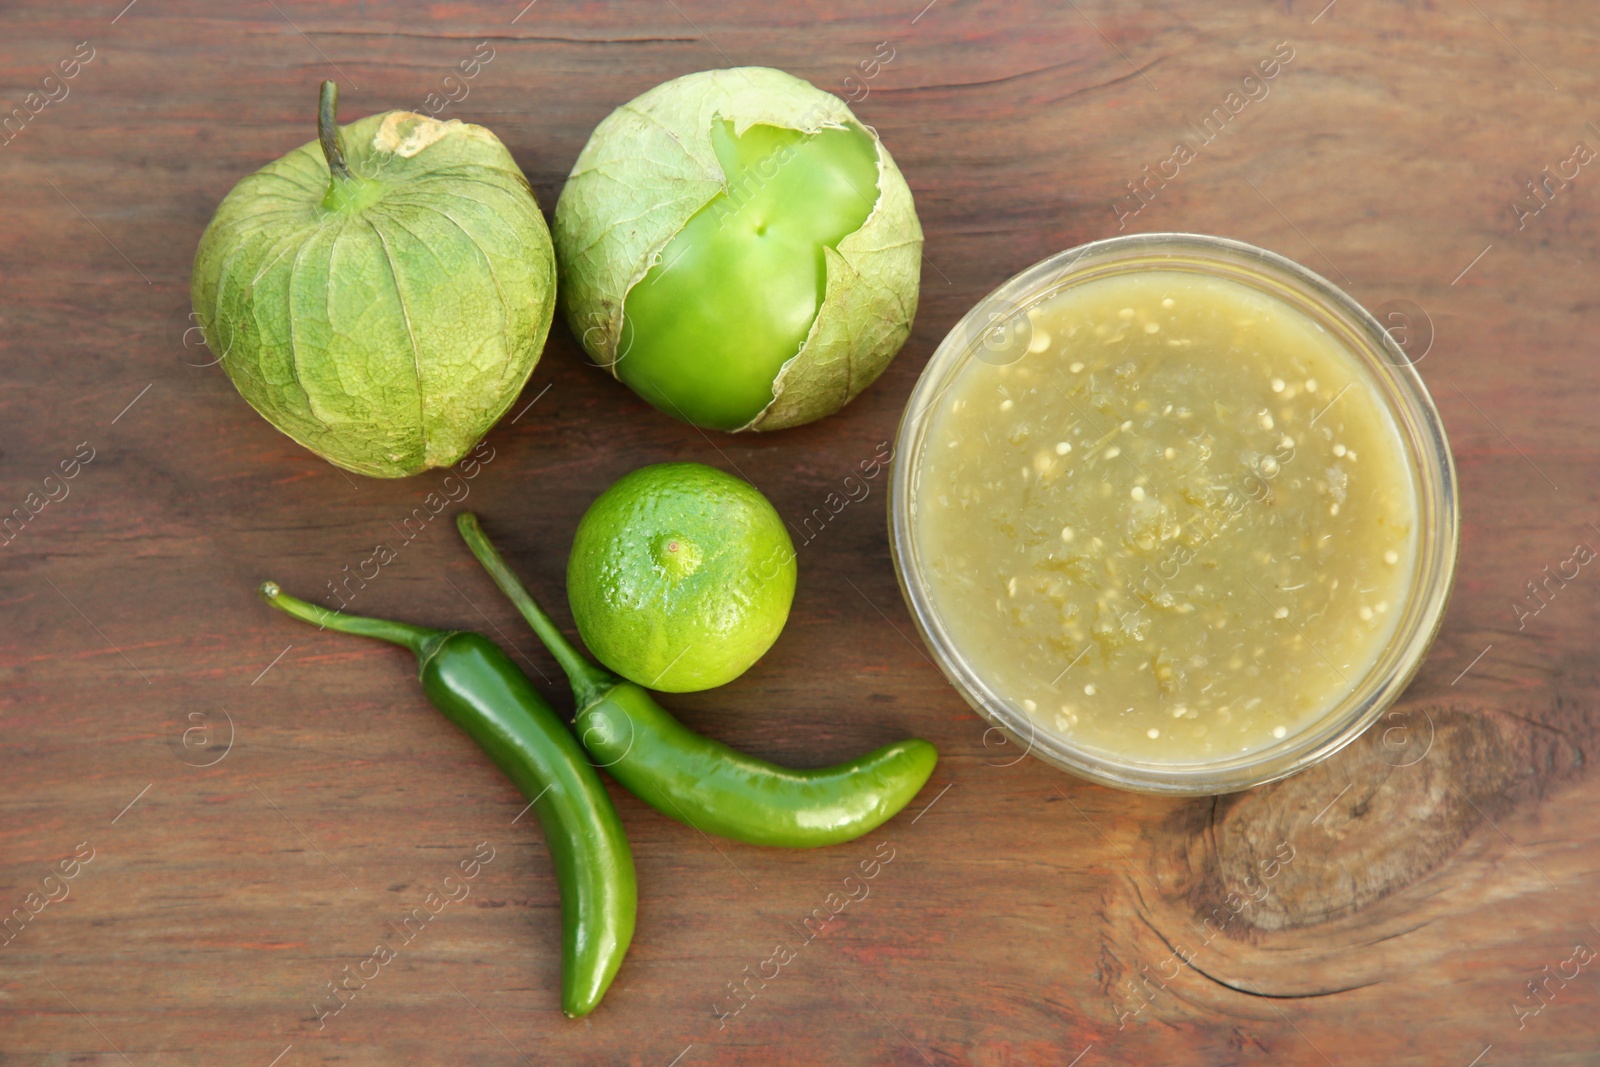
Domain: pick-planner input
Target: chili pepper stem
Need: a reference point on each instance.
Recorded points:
(589, 681)
(418, 639)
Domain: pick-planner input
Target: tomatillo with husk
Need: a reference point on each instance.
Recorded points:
(739, 250)
(381, 294)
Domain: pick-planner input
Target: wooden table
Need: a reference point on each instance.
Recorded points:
(1424, 877)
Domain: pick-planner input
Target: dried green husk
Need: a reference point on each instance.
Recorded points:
(386, 320)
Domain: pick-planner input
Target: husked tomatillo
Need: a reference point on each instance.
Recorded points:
(382, 294)
(739, 249)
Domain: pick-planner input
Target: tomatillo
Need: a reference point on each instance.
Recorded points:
(739, 250)
(381, 294)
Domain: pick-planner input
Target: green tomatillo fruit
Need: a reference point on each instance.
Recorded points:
(739, 250)
(381, 297)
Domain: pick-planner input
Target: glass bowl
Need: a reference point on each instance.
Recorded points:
(997, 330)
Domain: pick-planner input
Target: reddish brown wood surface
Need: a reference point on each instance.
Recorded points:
(1419, 881)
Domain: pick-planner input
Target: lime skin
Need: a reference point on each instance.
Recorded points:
(680, 577)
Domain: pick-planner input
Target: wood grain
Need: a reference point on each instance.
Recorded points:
(1436, 867)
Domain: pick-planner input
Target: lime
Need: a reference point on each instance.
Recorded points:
(680, 577)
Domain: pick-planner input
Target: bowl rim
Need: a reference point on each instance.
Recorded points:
(1402, 394)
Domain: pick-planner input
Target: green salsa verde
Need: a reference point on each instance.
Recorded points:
(1177, 529)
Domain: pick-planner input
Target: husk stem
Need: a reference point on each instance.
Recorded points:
(328, 131)
(346, 188)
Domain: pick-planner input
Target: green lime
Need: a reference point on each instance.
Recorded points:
(680, 577)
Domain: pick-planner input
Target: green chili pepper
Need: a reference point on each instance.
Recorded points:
(477, 687)
(702, 782)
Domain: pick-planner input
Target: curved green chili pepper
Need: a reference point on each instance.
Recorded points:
(477, 687)
(702, 782)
